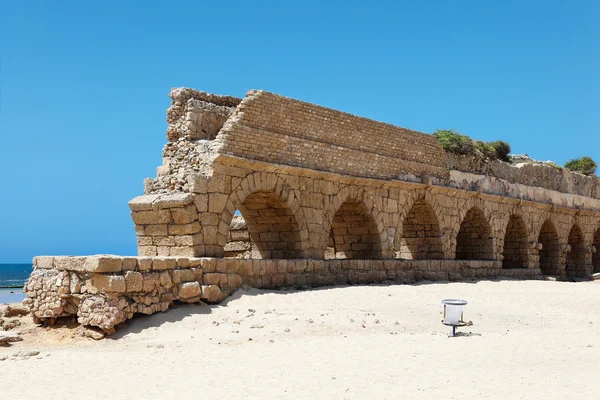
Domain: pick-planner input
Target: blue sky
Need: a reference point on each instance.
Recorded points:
(83, 89)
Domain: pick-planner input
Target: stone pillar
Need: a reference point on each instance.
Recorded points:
(167, 225)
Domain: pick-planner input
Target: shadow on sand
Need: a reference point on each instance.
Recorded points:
(180, 311)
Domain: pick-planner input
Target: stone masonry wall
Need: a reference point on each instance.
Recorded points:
(530, 174)
(105, 291)
(306, 135)
(304, 204)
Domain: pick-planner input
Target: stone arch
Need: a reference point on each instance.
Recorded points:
(274, 219)
(474, 240)
(575, 265)
(420, 236)
(549, 254)
(353, 227)
(515, 252)
(596, 252)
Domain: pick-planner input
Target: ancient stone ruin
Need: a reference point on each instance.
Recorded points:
(273, 192)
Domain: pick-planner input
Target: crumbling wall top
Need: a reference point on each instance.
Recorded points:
(277, 129)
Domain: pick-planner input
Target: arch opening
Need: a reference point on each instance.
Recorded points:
(516, 249)
(596, 254)
(474, 241)
(353, 233)
(550, 252)
(421, 236)
(575, 265)
(264, 228)
(239, 243)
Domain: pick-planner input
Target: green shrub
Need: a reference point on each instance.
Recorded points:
(454, 142)
(584, 165)
(502, 149)
(485, 149)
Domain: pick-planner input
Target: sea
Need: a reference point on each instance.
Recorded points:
(12, 280)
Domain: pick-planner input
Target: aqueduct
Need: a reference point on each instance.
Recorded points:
(269, 191)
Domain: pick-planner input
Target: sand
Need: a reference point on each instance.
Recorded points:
(530, 340)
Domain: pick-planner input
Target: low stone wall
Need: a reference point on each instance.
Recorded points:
(528, 174)
(105, 291)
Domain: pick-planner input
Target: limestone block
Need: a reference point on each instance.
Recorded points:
(152, 217)
(185, 215)
(165, 280)
(183, 262)
(213, 278)
(150, 282)
(195, 261)
(245, 267)
(162, 263)
(163, 251)
(216, 202)
(143, 203)
(109, 283)
(144, 241)
(104, 263)
(200, 183)
(176, 276)
(144, 263)
(187, 275)
(189, 290)
(188, 240)
(234, 281)
(133, 281)
(172, 201)
(156, 230)
(211, 293)
(197, 274)
(233, 265)
(221, 265)
(188, 251)
(139, 230)
(209, 219)
(43, 262)
(208, 264)
(68, 263)
(201, 202)
(164, 241)
(187, 229)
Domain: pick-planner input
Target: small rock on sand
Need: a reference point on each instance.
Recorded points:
(9, 337)
(16, 310)
(25, 354)
(94, 334)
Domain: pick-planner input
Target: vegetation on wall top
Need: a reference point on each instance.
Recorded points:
(454, 142)
(584, 165)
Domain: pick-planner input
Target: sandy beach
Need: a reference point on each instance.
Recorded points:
(530, 340)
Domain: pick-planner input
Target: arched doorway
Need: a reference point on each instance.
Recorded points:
(265, 228)
(353, 234)
(516, 250)
(550, 252)
(421, 237)
(474, 241)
